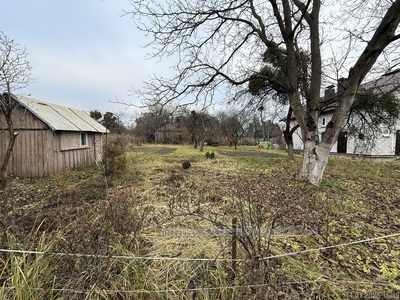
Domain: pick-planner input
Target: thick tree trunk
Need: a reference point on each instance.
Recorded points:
(316, 153)
(315, 160)
(290, 151)
(288, 134)
(201, 146)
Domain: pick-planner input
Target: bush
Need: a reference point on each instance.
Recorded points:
(265, 145)
(186, 164)
(210, 155)
(114, 158)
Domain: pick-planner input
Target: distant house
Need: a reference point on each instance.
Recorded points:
(168, 134)
(51, 138)
(385, 142)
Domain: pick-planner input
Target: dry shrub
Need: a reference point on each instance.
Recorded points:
(112, 226)
(125, 216)
(262, 205)
(114, 158)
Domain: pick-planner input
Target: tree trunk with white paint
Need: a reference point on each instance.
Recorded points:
(315, 160)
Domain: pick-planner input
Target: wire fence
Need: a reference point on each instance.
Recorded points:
(162, 258)
(97, 290)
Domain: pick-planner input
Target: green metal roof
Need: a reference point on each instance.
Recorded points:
(60, 118)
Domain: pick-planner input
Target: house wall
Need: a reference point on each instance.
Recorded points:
(383, 142)
(69, 140)
(297, 139)
(39, 151)
(168, 135)
(382, 145)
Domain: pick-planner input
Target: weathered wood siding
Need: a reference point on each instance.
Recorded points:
(168, 134)
(39, 151)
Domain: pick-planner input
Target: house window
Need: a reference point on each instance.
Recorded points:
(84, 139)
(323, 121)
(385, 132)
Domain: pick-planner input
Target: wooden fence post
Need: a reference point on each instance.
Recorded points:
(234, 246)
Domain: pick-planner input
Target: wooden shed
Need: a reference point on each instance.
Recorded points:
(169, 133)
(51, 138)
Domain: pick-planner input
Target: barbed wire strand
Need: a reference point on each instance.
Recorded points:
(196, 259)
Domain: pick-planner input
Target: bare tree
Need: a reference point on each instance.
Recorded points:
(269, 83)
(198, 125)
(232, 124)
(149, 121)
(220, 41)
(15, 74)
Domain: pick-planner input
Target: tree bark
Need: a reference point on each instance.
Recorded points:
(315, 160)
(290, 151)
(201, 146)
(288, 133)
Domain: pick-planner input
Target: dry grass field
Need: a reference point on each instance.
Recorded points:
(159, 231)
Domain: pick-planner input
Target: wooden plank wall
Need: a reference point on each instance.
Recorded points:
(34, 155)
(37, 149)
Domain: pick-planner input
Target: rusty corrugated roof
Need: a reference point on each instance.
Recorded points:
(60, 118)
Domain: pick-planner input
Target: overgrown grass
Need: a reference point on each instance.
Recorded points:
(158, 210)
(24, 275)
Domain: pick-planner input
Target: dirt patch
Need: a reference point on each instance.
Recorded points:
(157, 150)
(166, 150)
(250, 153)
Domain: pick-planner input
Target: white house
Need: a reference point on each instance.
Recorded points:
(355, 138)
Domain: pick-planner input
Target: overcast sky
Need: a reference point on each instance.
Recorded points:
(83, 53)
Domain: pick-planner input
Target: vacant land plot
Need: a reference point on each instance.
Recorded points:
(159, 231)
